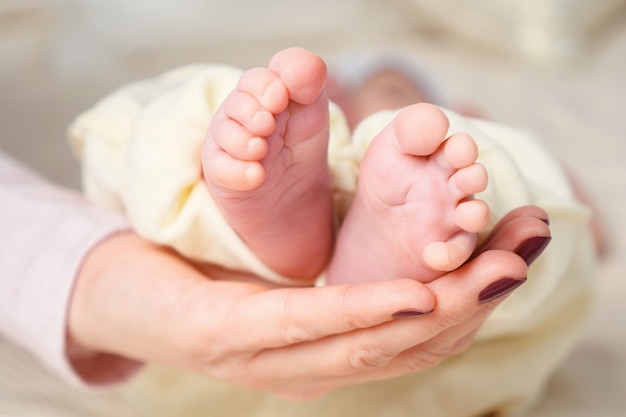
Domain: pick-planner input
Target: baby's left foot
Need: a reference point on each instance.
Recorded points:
(413, 214)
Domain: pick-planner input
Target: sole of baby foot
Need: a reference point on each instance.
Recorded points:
(265, 162)
(413, 214)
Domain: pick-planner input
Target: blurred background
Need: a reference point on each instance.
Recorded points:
(553, 67)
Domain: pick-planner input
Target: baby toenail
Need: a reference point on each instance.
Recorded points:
(253, 144)
(251, 174)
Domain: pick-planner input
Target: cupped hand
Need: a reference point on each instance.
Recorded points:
(139, 301)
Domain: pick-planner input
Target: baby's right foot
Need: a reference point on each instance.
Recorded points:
(265, 162)
(413, 214)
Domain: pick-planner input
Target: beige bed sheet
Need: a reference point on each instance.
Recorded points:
(57, 58)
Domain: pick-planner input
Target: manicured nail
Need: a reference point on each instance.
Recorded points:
(530, 249)
(499, 288)
(403, 314)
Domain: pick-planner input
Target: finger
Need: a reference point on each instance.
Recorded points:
(371, 353)
(515, 231)
(458, 315)
(514, 235)
(524, 211)
(287, 316)
(517, 213)
(525, 236)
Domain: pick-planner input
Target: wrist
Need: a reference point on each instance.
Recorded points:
(85, 354)
(129, 300)
(94, 293)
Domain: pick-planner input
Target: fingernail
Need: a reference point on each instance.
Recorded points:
(403, 314)
(530, 249)
(499, 288)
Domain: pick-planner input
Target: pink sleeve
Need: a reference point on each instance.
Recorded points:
(45, 233)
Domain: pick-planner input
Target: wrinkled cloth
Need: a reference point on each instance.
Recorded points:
(140, 149)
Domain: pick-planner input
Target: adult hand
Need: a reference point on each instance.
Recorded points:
(140, 301)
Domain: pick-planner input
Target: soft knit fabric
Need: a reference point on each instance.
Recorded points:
(46, 232)
(140, 149)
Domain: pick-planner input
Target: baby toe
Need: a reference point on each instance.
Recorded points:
(302, 72)
(460, 150)
(420, 129)
(247, 111)
(266, 87)
(469, 180)
(472, 215)
(235, 140)
(449, 255)
(232, 174)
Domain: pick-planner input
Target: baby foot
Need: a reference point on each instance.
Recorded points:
(265, 162)
(413, 214)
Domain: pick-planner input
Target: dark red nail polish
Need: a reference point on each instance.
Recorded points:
(530, 249)
(403, 314)
(499, 288)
